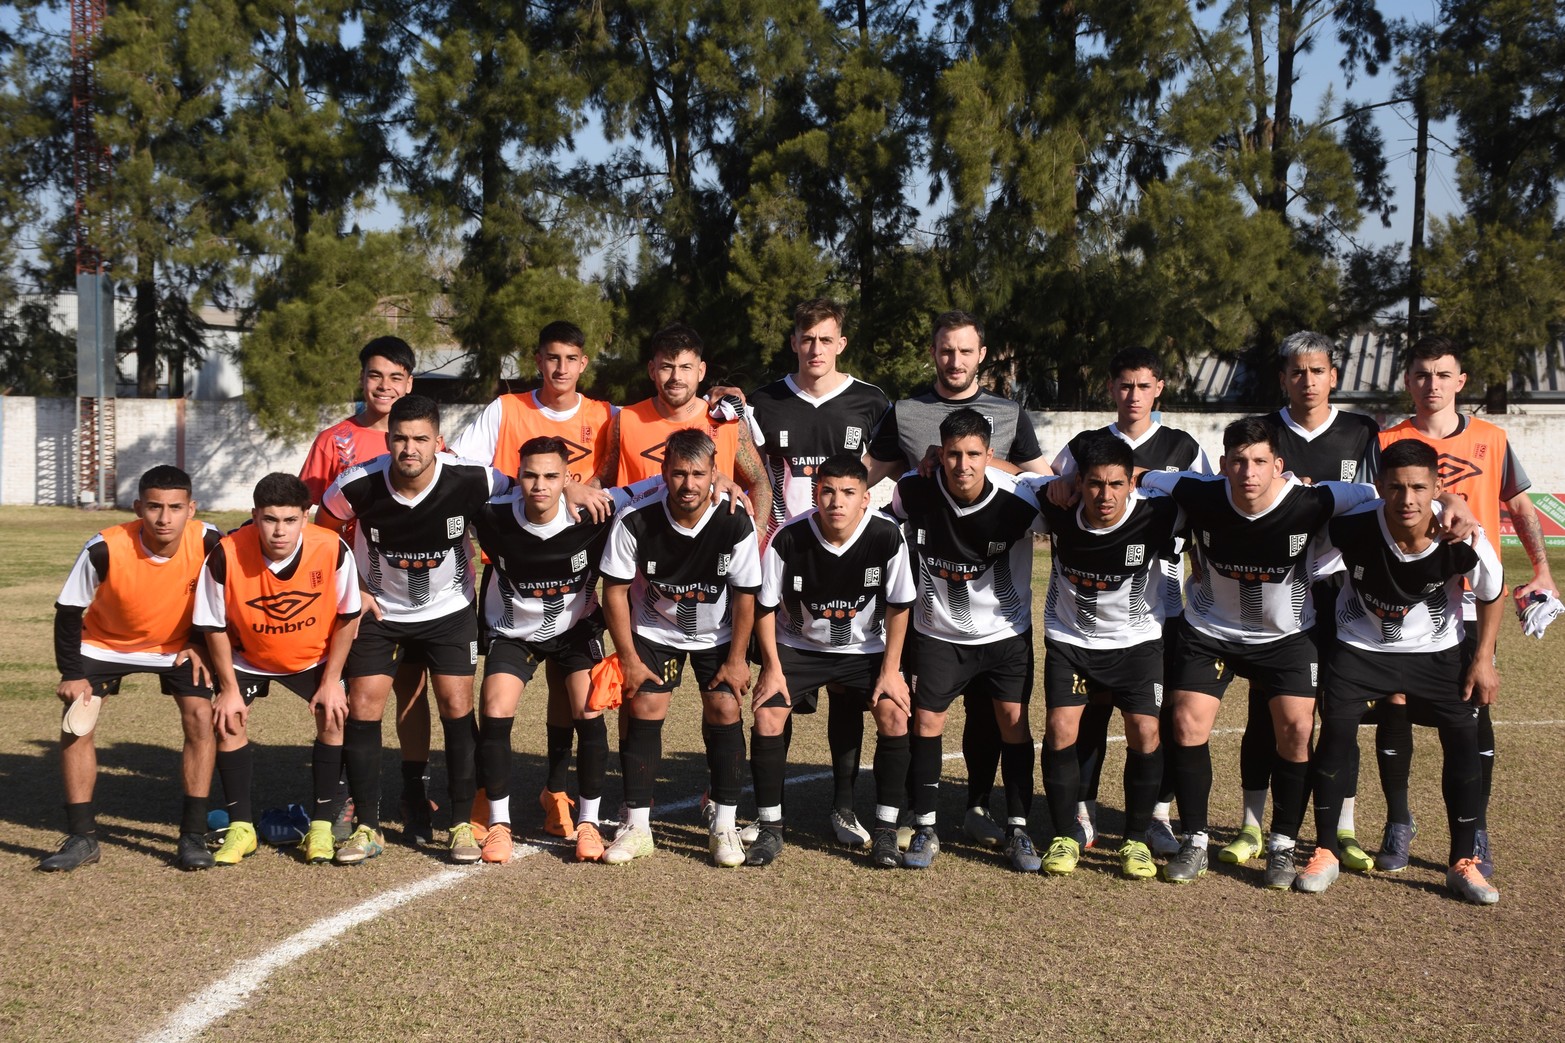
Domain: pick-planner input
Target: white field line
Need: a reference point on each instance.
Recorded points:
(235, 989)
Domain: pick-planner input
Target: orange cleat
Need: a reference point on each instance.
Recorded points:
(557, 814)
(589, 843)
(480, 815)
(497, 845)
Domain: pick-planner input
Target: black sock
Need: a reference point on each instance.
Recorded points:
(1016, 770)
(845, 737)
(980, 749)
(494, 756)
(1092, 743)
(1334, 778)
(892, 754)
(361, 753)
(924, 772)
(592, 756)
(326, 772)
(1485, 761)
(639, 757)
(768, 762)
(558, 752)
(236, 769)
(1165, 734)
(1143, 775)
(1258, 745)
(725, 760)
(1290, 796)
(1061, 783)
(83, 819)
(414, 776)
(1394, 752)
(461, 763)
(1193, 784)
(1461, 782)
(192, 815)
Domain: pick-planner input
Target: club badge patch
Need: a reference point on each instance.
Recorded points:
(1296, 542)
(1135, 553)
(578, 561)
(723, 561)
(852, 438)
(1350, 470)
(455, 527)
(872, 577)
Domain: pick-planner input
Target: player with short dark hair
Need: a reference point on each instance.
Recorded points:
(412, 508)
(278, 600)
(969, 528)
(1398, 632)
(125, 609)
(835, 591)
(680, 574)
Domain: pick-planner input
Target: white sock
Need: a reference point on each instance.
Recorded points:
(771, 814)
(1278, 842)
(885, 815)
(1197, 840)
(1254, 806)
(499, 810)
(1161, 810)
(588, 810)
(1016, 823)
(641, 818)
(726, 818)
(924, 820)
(1345, 820)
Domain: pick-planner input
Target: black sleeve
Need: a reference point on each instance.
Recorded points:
(886, 446)
(211, 537)
(68, 642)
(1024, 447)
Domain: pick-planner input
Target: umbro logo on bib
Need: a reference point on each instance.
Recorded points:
(578, 561)
(455, 527)
(1135, 553)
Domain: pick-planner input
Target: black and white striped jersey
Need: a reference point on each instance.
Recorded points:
(1391, 601)
(680, 579)
(1158, 449)
(543, 578)
(1346, 448)
(974, 562)
(1251, 578)
(414, 555)
(801, 431)
(834, 599)
(1106, 585)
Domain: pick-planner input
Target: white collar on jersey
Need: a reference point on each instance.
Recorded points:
(822, 399)
(1289, 483)
(1308, 436)
(847, 544)
(1132, 501)
(439, 464)
(559, 523)
(1136, 443)
(712, 507)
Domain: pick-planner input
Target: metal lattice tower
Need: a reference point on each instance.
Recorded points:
(95, 361)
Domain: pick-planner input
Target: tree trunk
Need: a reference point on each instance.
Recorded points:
(146, 330)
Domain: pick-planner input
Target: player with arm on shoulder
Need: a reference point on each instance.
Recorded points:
(278, 600)
(125, 609)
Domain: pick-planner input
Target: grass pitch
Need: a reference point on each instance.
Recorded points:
(819, 946)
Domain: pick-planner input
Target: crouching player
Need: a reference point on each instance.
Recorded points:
(836, 586)
(1103, 629)
(1400, 629)
(278, 601)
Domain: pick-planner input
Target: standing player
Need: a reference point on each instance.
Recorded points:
(557, 409)
(411, 509)
(1103, 630)
(1476, 463)
(835, 590)
(1318, 443)
(1397, 633)
(911, 429)
(1135, 386)
(970, 529)
(125, 609)
(278, 601)
(385, 374)
(680, 574)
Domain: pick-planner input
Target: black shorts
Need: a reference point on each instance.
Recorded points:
(1287, 666)
(999, 670)
(669, 664)
(846, 675)
(1132, 676)
(1432, 682)
(448, 645)
(304, 684)
(579, 648)
(105, 677)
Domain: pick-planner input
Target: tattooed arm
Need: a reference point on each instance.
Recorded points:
(608, 468)
(750, 473)
(1525, 517)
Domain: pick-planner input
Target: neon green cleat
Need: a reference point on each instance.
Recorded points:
(464, 848)
(1063, 855)
(1354, 856)
(1247, 845)
(1135, 861)
(318, 844)
(238, 842)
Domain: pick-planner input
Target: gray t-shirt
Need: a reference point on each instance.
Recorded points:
(912, 425)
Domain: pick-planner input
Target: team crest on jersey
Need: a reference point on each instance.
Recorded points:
(1206, 538)
(455, 527)
(284, 605)
(315, 577)
(578, 561)
(798, 584)
(996, 547)
(1350, 469)
(852, 438)
(723, 561)
(782, 439)
(1296, 542)
(1358, 572)
(374, 535)
(652, 568)
(1135, 553)
(989, 418)
(920, 537)
(1157, 694)
(872, 577)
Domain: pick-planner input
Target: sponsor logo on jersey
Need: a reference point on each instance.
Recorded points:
(1454, 469)
(723, 561)
(1135, 553)
(839, 608)
(1296, 542)
(690, 591)
(455, 527)
(872, 577)
(1350, 468)
(782, 439)
(284, 605)
(414, 559)
(853, 438)
(578, 561)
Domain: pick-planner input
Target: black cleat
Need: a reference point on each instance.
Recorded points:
(193, 853)
(76, 850)
(883, 851)
(768, 845)
(417, 827)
